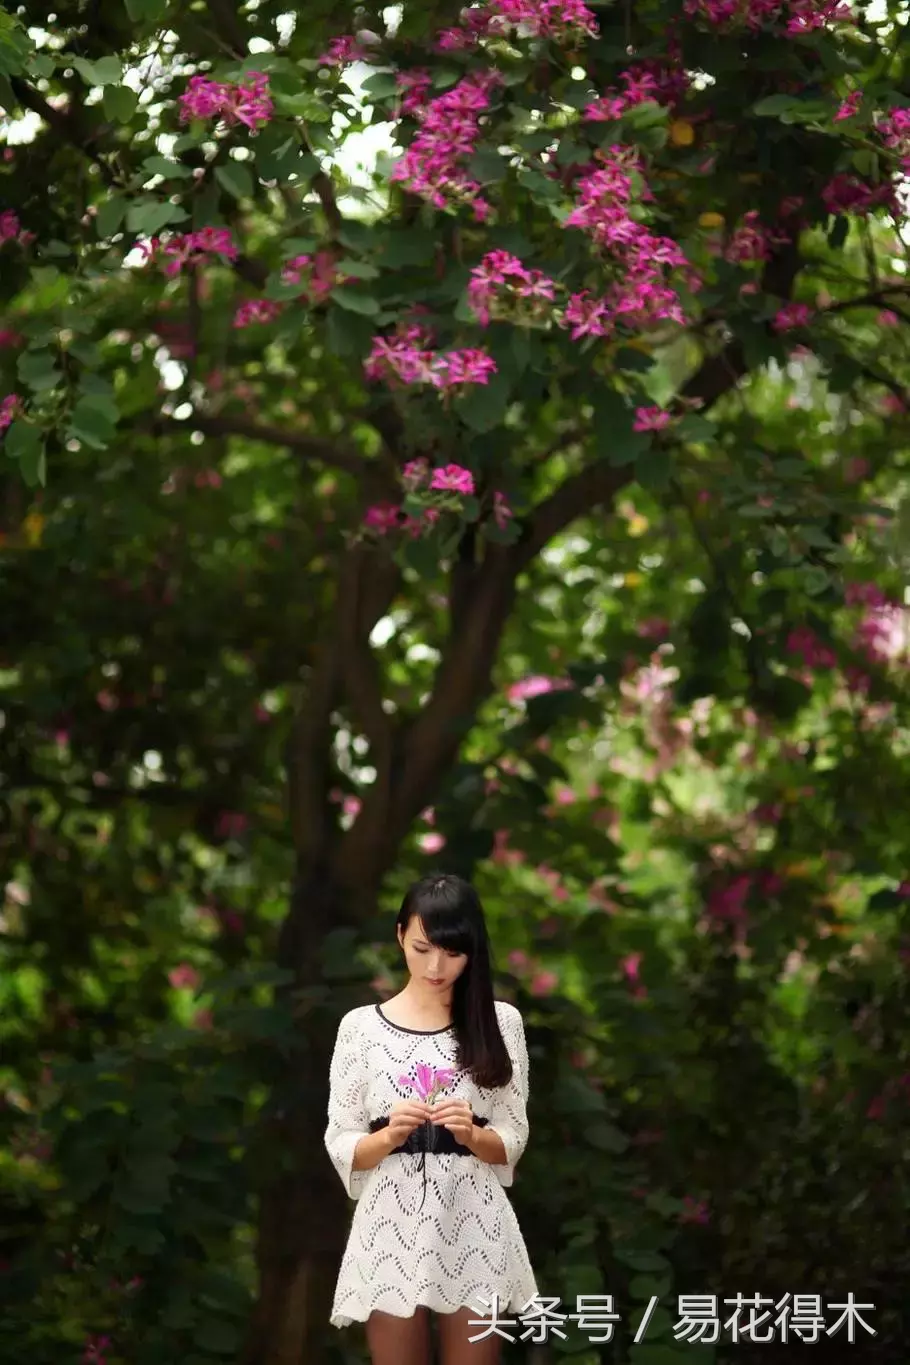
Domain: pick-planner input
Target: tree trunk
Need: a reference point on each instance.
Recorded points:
(304, 1213)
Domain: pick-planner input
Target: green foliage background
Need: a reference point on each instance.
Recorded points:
(719, 1096)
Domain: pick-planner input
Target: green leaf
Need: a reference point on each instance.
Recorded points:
(149, 216)
(483, 406)
(119, 103)
(91, 425)
(236, 179)
(654, 466)
(815, 580)
(42, 64)
(146, 11)
(772, 106)
(104, 404)
(105, 71)
(86, 352)
(355, 301)
(361, 270)
(110, 215)
(22, 440)
(648, 114)
(694, 427)
(38, 369)
(220, 1337)
(487, 166)
(380, 86)
(303, 105)
(606, 1138)
(171, 170)
(15, 45)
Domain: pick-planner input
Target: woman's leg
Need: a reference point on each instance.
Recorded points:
(455, 1344)
(399, 1341)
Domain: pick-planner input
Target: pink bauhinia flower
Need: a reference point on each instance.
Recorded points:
(427, 1081)
(453, 478)
(9, 410)
(650, 419)
(792, 315)
(247, 101)
(10, 226)
(184, 977)
(256, 310)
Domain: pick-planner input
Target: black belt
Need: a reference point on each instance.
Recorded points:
(429, 1137)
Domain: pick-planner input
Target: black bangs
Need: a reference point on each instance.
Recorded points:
(446, 928)
(449, 909)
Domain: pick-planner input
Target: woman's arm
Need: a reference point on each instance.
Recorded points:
(372, 1149)
(348, 1122)
(509, 1119)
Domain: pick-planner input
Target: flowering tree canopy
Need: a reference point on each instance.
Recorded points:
(490, 420)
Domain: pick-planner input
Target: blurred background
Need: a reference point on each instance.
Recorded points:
(664, 730)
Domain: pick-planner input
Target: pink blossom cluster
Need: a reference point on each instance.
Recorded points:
(540, 981)
(792, 315)
(727, 902)
(10, 337)
(641, 294)
(320, 270)
(537, 685)
(849, 107)
(847, 193)
(9, 408)
(345, 49)
(806, 644)
(559, 21)
(797, 16)
(256, 310)
(432, 166)
(501, 286)
(653, 80)
(447, 479)
(753, 241)
(247, 101)
(409, 358)
(651, 419)
(191, 248)
(894, 130)
(883, 631)
(95, 1351)
(10, 226)
(414, 86)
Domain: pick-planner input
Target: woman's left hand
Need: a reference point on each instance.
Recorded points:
(458, 1117)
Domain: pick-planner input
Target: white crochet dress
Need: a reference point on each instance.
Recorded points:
(465, 1241)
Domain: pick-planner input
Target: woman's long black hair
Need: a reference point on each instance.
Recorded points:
(452, 916)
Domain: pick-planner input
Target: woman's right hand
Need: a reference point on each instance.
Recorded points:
(404, 1117)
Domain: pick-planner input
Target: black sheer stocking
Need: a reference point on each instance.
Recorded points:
(400, 1341)
(455, 1345)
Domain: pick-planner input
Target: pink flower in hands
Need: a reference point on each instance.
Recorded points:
(428, 1081)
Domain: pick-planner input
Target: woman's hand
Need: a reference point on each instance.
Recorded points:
(404, 1117)
(458, 1117)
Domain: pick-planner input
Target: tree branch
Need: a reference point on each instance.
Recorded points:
(318, 448)
(62, 125)
(591, 487)
(359, 669)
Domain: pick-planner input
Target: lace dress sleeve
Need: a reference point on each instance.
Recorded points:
(347, 1112)
(509, 1110)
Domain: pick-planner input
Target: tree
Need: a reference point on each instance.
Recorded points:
(570, 286)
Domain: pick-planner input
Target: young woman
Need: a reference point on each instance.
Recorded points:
(427, 1119)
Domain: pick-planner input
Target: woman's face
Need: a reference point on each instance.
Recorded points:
(434, 969)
